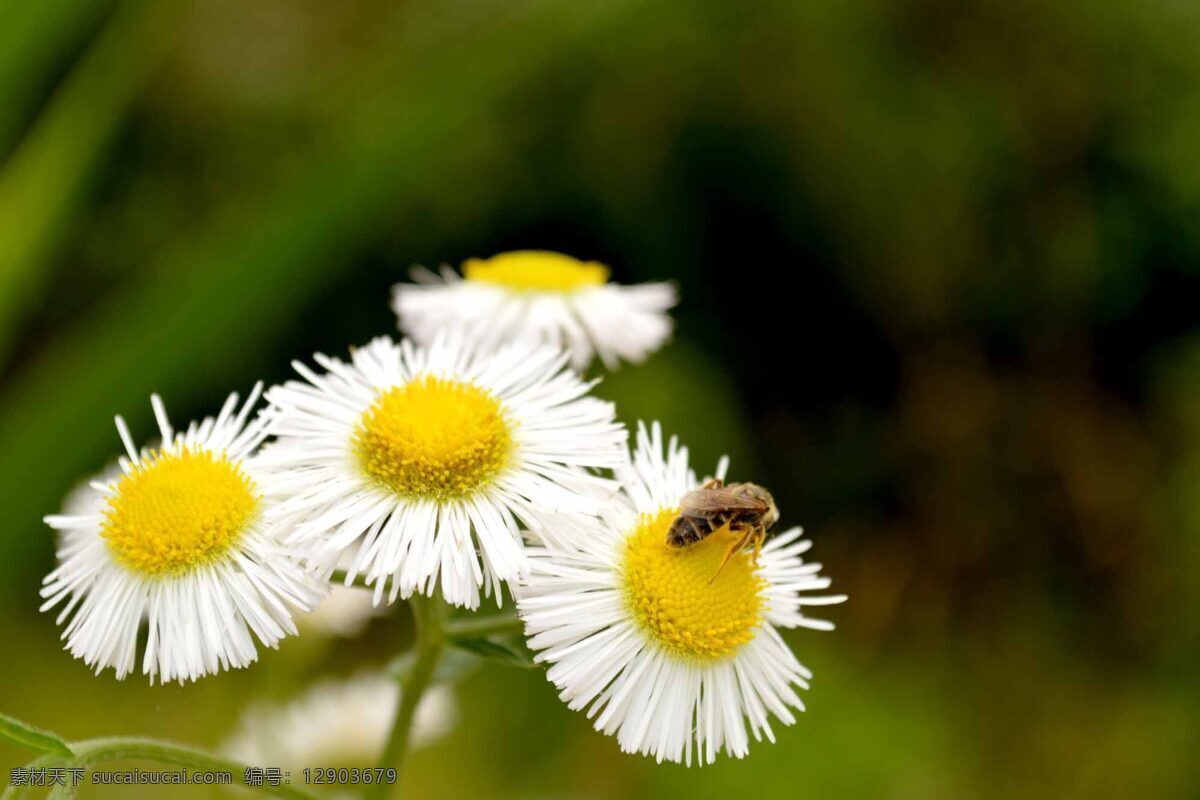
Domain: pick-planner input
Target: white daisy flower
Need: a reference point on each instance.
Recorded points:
(543, 297)
(426, 461)
(336, 723)
(661, 653)
(177, 538)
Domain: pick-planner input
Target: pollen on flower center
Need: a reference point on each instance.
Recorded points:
(434, 438)
(178, 510)
(669, 592)
(536, 270)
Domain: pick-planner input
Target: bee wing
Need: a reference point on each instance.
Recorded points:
(710, 501)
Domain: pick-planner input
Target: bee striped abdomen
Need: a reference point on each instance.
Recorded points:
(687, 530)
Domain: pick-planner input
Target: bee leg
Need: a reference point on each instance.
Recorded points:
(735, 547)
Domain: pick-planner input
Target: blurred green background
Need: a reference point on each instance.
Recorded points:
(939, 266)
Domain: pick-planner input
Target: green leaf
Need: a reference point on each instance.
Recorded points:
(23, 733)
(501, 651)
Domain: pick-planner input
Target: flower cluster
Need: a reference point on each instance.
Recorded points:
(465, 462)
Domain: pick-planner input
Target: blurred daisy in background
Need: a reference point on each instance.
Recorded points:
(543, 297)
(177, 537)
(426, 463)
(336, 723)
(346, 611)
(657, 650)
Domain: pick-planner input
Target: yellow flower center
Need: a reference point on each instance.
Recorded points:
(434, 438)
(536, 270)
(670, 594)
(177, 511)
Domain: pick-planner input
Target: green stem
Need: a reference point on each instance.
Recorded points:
(14, 792)
(482, 625)
(96, 751)
(427, 618)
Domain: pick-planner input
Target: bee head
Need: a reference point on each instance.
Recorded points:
(771, 515)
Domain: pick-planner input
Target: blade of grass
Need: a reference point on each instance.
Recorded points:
(47, 177)
(35, 39)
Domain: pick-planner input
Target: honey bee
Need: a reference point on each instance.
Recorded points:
(746, 508)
